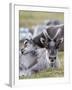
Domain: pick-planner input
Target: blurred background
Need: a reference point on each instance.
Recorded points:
(30, 18)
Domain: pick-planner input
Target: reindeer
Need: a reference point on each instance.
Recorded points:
(41, 52)
(32, 59)
(51, 38)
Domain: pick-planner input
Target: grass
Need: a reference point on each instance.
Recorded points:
(30, 18)
(50, 72)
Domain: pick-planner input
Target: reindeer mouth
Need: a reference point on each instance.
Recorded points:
(52, 61)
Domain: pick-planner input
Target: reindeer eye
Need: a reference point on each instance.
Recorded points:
(25, 42)
(42, 40)
(49, 40)
(55, 40)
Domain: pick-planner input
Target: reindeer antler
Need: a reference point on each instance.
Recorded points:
(59, 30)
(46, 34)
(53, 26)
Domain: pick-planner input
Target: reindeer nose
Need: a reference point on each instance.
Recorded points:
(22, 51)
(52, 60)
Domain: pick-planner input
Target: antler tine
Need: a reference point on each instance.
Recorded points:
(46, 34)
(59, 30)
(54, 26)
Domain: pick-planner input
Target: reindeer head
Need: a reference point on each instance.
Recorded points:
(51, 39)
(29, 47)
(54, 36)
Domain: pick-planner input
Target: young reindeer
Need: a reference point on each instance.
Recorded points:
(27, 57)
(51, 39)
(33, 59)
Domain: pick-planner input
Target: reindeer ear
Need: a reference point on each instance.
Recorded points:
(38, 41)
(25, 42)
(59, 42)
(42, 40)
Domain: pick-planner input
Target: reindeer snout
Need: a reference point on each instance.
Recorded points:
(52, 59)
(22, 51)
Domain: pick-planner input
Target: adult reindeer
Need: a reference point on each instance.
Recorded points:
(51, 38)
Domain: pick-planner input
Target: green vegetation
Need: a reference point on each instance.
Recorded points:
(30, 18)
